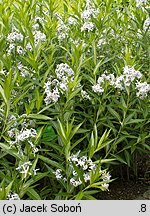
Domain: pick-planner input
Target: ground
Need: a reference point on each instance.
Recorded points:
(125, 190)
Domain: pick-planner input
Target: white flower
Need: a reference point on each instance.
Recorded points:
(62, 36)
(15, 36)
(52, 97)
(85, 95)
(92, 167)
(142, 89)
(13, 196)
(62, 69)
(86, 177)
(106, 177)
(35, 150)
(105, 186)
(20, 50)
(29, 47)
(100, 80)
(119, 82)
(58, 174)
(24, 168)
(74, 158)
(11, 132)
(97, 88)
(87, 26)
(11, 48)
(108, 77)
(86, 14)
(81, 163)
(35, 26)
(26, 134)
(147, 24)
(24, 70)
(130, 74)
(101, 42)
(63, 86)
(74, 173)
(62, 31)
(39, 37)
(75, 183)
(35, 171)
(140, 2)
(72, 21)
(90, 11)
(39, 19)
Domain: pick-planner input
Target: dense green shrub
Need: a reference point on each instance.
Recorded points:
(74, 86)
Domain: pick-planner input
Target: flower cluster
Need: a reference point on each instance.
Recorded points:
(39, 37)
(85, 95)
(25, 134)
(129, 76)
(15, 36)
(58, 174)
(86, 167)
(24, 168)
(13, 196)
(72, 20)
(101, 42)
(146, 25)
(37, 21)
(142, 89)
(87, 26)
(24, 72)
(51, 91)
(63, 71)
(53, 87)
(89, 12)
(62, 30)
(14, 39)
(98, 87)
(140, 2)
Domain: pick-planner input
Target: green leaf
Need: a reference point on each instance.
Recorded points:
(77, 142)
(114, 113)
(79, 195)
(107, 160)
(100, 64)
(3, 94)
(88, 197)
(91, 146)
(103, 138)
(38, 116)
(48, 134)
(33, 194)
(8, 188)
(54, 146)
(127, 157)
(51, 162)
(133, 121)
(146, 146)
(10, 151)
(120, 159)
(105, 144)
(75, 129)
(30, 182)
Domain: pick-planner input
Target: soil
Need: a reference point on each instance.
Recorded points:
(126, 187)
(126, 190)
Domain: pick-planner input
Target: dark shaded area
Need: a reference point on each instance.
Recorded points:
(124, 190)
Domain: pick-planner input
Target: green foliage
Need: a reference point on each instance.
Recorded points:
(70, 86)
